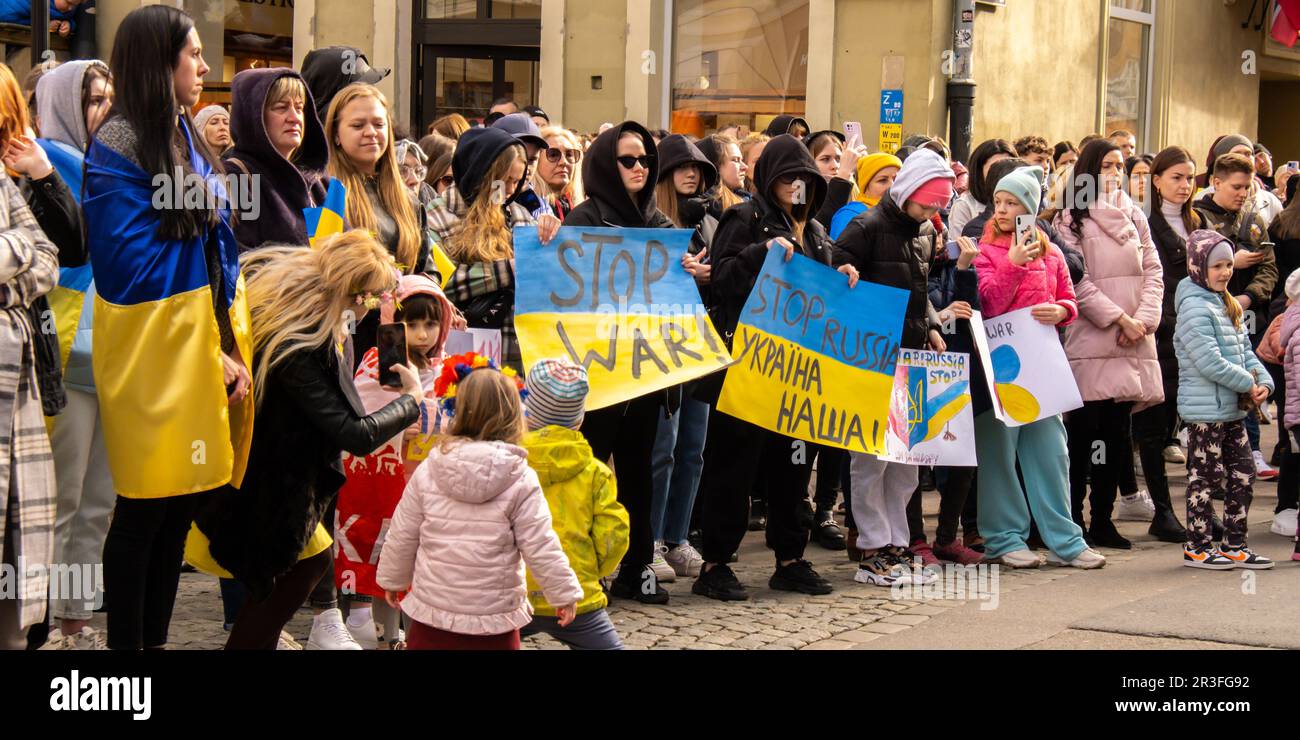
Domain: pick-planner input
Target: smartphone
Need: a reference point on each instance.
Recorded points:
(1024, 224)
(392, 351)
(954, 251)
(852, 132)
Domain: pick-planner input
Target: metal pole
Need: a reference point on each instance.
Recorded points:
(40, 30)
(961, 86)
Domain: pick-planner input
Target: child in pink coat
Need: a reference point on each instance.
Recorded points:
(1014, 276)
(472, 515)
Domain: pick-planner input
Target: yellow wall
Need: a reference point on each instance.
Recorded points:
(1036, 68)
(868, 31)
(1208, 94)
(595, 42)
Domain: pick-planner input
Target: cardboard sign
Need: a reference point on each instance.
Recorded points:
(930, 416)
(1028, 374)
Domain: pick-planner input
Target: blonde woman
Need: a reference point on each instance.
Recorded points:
(474, 226)
(453, 126)
(267, 532)
(363, 157)
(558, 178)
(751, 148)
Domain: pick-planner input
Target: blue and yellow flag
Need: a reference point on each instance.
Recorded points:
(814, 358)
(619, 303)
(327, 220)
(168, 427)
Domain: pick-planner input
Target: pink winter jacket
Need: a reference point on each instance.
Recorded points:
(1005, 286)
(1122, 274)
(465, 518)
(1290, 340)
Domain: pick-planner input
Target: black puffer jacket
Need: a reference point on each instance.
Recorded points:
(310, 412)
(888, 247)
(741, 244)
(1172, 250)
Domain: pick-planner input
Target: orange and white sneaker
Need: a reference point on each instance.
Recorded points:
(1244, 557)
(1206, 557)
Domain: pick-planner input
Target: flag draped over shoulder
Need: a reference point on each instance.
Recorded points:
(157, 359)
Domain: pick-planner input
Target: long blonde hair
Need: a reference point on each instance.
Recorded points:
(574, 189)
(300, 299)
(393, 195)
(726, 196)
(484, 235)
(488, 409)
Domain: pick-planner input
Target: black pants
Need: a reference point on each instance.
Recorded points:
(830, 465)
(325, 595)
(259, 622)
(954, 484)
(142, 568)
(627, 432)
(1152, 429)
(1288, 479)
(736, 455)
(1108, 422)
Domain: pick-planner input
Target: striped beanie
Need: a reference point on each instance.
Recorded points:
(557, 392)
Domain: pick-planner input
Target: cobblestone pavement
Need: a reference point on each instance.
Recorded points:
(849, 618)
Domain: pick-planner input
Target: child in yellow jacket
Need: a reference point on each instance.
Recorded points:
(585, 512)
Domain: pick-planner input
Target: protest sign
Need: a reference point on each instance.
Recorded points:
(486, 342)
(1028, 374)
(814, 358)
(930, 417)
(619, 303)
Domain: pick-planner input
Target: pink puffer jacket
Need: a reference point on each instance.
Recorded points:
(1005, 286)
(1122, 275)
(1290, 339)
(465, 518)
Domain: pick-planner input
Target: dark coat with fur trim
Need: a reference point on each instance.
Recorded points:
(310, 412)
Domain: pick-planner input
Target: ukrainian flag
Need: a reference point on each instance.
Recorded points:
(69, 296)
(157, 363)
(329, 219)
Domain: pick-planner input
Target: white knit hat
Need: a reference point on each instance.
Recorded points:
(557, 393)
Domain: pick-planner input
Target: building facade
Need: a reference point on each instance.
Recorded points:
(1171, 71)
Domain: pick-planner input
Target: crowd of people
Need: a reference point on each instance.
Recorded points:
(187, 384)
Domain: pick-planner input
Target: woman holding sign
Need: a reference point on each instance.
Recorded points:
(789, 190)
(1015, 274)
(619, 172)
(1113, 350)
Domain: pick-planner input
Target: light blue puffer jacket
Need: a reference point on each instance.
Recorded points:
(1215, 360)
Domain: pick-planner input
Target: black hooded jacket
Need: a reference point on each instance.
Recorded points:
(284, 187)
(782, 124)
(692, 210)
(741, 243)
(608, 202)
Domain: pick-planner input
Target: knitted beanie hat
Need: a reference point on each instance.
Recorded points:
(557, 393)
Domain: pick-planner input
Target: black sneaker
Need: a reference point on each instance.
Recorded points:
(719, 582)
(1104, 534)
(757, 516)
(645, 590)
(799, 576)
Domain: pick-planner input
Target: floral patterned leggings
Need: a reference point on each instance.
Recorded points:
(1218, 456)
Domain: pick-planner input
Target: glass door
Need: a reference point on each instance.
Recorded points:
(466, 80)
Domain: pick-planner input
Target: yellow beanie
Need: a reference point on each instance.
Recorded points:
(867, 168)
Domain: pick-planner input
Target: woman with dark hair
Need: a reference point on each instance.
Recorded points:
(1064, 154)
(724, 152)
(280, 140)
(837, 160)
(170, 314)
(1172, 219)
(978, 196)
(1112, 348)
(1137, 169)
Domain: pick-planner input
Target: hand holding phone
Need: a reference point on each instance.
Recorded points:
(392, 351)
(852, 133)
(1024, 226)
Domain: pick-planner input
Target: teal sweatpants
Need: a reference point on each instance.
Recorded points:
(1045, 463)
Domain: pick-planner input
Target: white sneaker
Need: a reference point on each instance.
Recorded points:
(1174, 454)
(55, 641)
(1087, 560)
(1136, 508)
(329, 633)
(685, 561)
(1263, 470)
(361, 623)
(1018, 559)
(1284, 523)
(663, 571)
(286, 642)
(88, 638)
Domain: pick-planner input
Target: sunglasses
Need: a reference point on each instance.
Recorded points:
(447, 181)
(629, 162)
(555, 154)
(788, 179)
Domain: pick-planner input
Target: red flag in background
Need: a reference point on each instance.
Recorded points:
(1286, 22)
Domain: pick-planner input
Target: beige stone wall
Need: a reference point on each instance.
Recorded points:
(595, 43)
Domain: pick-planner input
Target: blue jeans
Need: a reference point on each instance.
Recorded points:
(676, 462)
(590, 631)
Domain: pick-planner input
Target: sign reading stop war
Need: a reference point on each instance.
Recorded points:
(619, 303)
(814, 358)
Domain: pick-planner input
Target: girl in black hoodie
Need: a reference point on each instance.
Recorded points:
(619, 172)
(738, 453)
